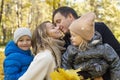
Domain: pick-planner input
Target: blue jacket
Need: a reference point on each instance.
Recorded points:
(16, 62)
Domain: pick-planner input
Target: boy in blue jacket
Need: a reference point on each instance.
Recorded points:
(18, 54)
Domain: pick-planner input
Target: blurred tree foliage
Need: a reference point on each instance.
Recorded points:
(30, 13)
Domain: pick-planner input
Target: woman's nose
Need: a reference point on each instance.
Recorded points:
(57, 27)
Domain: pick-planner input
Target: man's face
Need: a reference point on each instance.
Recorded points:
(63, 22)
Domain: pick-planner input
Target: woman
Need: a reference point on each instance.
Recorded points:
(47, 49)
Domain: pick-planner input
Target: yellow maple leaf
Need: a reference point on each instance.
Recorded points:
(62, 74)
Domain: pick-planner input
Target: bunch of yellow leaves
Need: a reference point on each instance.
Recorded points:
(62, 74)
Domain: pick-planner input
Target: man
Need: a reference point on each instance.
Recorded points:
(64, 16)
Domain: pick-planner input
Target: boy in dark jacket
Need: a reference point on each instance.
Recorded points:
(88, 52)
(64, 16)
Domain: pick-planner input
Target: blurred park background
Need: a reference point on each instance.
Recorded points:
(30, 13)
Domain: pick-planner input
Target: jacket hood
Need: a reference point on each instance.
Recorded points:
(12, 48)
(97, 39)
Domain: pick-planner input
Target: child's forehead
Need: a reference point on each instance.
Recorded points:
(25, 36)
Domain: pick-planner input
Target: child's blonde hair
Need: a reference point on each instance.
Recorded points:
(83, 45)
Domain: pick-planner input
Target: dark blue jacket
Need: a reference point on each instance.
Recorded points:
(107, 37)
(93, 59)
(16, 62)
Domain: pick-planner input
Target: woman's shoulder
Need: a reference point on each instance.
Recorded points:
(44, 52)
(44, 55)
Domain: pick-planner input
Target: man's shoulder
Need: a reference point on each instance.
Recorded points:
(100, 25)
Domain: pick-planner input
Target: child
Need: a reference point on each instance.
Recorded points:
(47, 49)
(87, 51)
(18, 54)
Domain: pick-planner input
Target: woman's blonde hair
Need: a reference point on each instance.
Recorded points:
(41, 41)
(40, 38)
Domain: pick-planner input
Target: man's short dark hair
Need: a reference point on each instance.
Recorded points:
(64, 10)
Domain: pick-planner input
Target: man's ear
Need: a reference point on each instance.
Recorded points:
(70, 16)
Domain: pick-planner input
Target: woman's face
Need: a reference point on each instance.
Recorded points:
(53, 31)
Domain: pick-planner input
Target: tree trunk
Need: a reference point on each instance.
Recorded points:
(3, 28)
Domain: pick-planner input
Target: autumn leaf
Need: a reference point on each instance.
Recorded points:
(62, 74)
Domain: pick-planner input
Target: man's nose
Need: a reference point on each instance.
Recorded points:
(60, 26)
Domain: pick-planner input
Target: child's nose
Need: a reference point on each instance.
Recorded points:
(24, 42)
